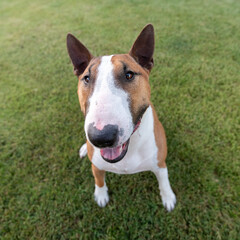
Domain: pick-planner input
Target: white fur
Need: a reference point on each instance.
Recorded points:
(101, 195)
(108, 103)
(83, 150)
(141, 154)
(168, 197)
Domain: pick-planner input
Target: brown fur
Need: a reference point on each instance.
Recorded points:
(84, 92)
(99, 176)
(79, 54)
(143, 48)
(138, 89)
(160, 139)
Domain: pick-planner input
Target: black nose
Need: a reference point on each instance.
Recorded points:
(106, 137)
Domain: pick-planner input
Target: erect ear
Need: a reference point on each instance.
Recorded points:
(143, 48)
(78, 53)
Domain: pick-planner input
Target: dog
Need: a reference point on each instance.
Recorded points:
(123, 132)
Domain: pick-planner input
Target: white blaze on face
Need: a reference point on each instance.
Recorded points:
(109, 103)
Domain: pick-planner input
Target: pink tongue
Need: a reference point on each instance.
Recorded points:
(111, 153)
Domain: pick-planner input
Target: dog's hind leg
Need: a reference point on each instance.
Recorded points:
(101, 190)
(83, 150)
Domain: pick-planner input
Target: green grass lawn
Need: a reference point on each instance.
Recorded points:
(46, 190)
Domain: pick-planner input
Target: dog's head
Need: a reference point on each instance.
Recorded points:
(113, 92)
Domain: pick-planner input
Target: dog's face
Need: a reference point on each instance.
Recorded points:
(113, 92)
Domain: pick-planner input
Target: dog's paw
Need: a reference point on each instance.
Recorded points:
(83, 150)
(101, 195)
(168, 200)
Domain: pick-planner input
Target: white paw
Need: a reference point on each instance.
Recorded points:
(168, 200)
(101, 195)
(83, 150)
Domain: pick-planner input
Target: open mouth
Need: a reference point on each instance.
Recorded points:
(113, 155)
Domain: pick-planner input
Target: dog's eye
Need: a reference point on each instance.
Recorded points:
(129, 75)
(86, 79)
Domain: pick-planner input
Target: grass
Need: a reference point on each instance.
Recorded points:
(46, 191)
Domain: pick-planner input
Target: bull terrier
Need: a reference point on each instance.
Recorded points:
(122, 129)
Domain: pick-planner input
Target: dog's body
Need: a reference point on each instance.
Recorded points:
(123, 132)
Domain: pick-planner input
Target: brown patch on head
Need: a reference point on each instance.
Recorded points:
(138, 87)
(84, 65)
(85, 90)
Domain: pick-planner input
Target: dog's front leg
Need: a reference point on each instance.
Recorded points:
(166, 192)
(101, 190)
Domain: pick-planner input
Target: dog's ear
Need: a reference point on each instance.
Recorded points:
(78, 53)
(143, 48)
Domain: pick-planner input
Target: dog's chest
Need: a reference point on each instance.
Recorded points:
(142, 150)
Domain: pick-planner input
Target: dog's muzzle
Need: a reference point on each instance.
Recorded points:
(107, 139)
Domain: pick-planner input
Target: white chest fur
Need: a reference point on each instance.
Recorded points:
(142, 150)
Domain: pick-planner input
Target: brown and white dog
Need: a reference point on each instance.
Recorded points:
(123, 132)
